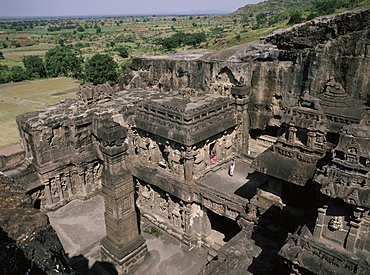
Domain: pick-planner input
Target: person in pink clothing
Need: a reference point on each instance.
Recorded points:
(213, 158)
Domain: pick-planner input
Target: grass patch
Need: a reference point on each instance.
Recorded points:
(154, 231)
(38, 47)
(18, 99)
(42, 91)
(9, 135)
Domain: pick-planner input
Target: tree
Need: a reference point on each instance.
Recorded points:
(1, 55)
(261, 18)
(98, 30)
(295, 17)
(34, 65)
(325, 7)
(123, 51)
(17, 74)
(80, 29)
(62, 61)
(61, 42)
(101, 68)
(4, 74)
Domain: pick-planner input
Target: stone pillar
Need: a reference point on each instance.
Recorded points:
(311, 136)
(69, 183)
(123, 246)
(292, 134)
(189, 163)
(81, 179)
(241, 95)
(59, 186)
(320, 221)
(354, 226)
(48, 198)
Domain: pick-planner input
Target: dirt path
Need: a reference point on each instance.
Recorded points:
(73, 90)
(16, 101)
(9, 85)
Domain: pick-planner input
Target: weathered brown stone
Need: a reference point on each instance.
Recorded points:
(28, 242)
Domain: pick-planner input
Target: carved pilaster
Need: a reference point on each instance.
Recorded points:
(48, 198)
(189, 163)
(81, 180)
(241, 95)
(320, 221)
(59, 187)
(68, 183)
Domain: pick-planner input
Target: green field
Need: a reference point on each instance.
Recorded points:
(26, 97)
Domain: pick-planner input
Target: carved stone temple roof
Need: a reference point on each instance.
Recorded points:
(307, 124)
(348, 176)
(339, 107)
(186, 121)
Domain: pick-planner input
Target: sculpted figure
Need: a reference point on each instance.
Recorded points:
(199, 162)
(176, 215)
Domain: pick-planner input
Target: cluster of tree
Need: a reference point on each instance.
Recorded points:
(123, 51)
(180, 38)
(62, 61)
(318, 8)
(324, 7)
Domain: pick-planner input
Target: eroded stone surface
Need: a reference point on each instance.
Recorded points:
(28, 242)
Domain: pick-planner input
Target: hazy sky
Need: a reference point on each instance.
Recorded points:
(115, 7)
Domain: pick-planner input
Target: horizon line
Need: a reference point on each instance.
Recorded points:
(116, 15)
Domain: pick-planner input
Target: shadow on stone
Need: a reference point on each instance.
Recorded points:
(248, 190)
(13, 260)
(81, 266)
(269, 235)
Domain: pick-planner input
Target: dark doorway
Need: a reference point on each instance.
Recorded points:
(223, 225)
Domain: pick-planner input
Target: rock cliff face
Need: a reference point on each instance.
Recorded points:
(278, 68)
(28, 244)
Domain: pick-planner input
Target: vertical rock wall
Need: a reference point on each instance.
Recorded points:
(278, 69)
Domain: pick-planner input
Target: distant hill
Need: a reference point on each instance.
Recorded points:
(273, 6)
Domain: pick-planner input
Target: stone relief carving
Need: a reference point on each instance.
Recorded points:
(335, 223)
(73, 182)
(164, 208)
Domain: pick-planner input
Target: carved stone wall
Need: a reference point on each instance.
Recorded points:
(171, 156)
(70, 183)
(187, 222)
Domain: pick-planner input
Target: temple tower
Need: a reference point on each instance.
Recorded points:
(123, 246)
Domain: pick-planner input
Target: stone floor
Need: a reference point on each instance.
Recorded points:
(80, 227)
(243, 183)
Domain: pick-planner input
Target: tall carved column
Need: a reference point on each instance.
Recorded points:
(241, 95)
(123, 246)
(48, 198)
(320, 221)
